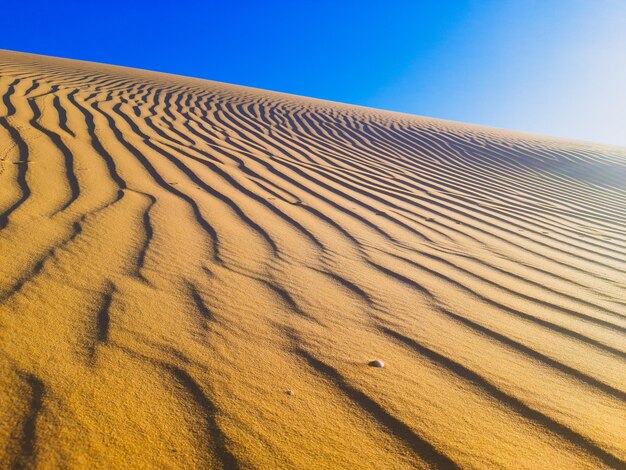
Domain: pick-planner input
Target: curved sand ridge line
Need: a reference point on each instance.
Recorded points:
(176, 255)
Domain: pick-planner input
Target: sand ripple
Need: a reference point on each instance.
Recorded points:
(177, 254)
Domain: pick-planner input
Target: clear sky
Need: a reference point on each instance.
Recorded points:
(555, 67)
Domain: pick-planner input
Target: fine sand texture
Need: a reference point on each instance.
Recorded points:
(201, 275)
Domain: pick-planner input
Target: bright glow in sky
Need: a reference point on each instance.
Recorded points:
(555, 67)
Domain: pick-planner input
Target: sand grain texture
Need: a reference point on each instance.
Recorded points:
(197, 275)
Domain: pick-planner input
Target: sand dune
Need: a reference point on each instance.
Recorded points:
(196, 275)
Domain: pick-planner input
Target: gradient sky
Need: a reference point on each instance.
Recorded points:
(555, 67)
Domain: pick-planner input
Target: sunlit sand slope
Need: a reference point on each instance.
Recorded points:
(196, 275)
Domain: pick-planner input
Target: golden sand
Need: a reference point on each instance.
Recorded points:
(197, 275)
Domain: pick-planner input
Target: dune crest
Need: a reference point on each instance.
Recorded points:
(199, 275)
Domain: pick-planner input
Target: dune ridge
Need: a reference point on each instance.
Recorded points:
(176, 255)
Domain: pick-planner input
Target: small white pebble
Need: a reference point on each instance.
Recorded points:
(290, 392)
(377, 363)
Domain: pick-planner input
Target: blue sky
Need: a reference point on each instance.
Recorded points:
(555, 67)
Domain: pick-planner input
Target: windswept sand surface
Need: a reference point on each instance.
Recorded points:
(177, 254)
